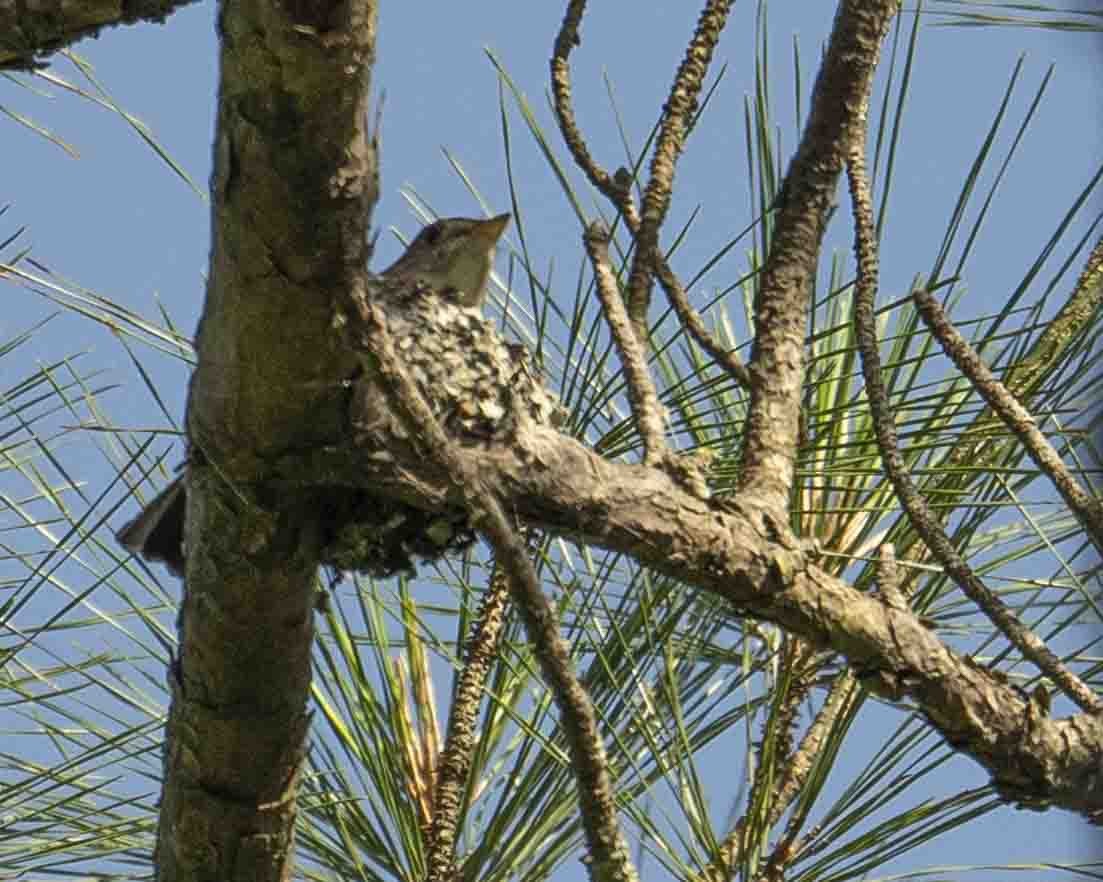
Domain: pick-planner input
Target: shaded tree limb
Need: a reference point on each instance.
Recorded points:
(843, 700)
(1084, 300)
(28, 31)
(978, 447)
(290, 131)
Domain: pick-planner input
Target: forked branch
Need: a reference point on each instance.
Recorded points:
(617, 189)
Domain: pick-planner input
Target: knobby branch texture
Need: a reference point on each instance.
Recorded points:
(922, 517)
(480, 649)
(738, 552)
(1023, 378)
(1087, 508)
(647, 410)
(680, 107)
(800, 218)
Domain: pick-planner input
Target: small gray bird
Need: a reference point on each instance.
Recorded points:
(479, 386)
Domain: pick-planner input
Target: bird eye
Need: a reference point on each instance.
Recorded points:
(431, 233)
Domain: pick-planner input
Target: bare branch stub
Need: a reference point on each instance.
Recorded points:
(889, 578)
(267, 378)
(647, 409)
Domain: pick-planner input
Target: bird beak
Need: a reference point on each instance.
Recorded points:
(489, 231)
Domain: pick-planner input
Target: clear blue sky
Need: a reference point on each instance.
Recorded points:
(117, 222)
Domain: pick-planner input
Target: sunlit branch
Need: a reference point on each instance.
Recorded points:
(919, 513)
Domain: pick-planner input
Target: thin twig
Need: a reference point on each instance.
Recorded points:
(609, 856)
(676, 296)
(775, 756)
(644, 399)
(1087, 508)
(1024, 377)
(840, 700)
(793, 773)
(618, 190)
(480, 649)
(681, 104)
(919, 513)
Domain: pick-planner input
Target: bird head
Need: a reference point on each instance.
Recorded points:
(453, 256)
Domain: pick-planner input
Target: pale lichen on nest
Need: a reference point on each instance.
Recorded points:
(480, 387)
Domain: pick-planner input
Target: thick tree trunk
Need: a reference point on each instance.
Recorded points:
(293, 184)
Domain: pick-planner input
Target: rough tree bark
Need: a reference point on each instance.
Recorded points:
(292, 190)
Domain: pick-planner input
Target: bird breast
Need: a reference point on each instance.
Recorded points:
(479, 386)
